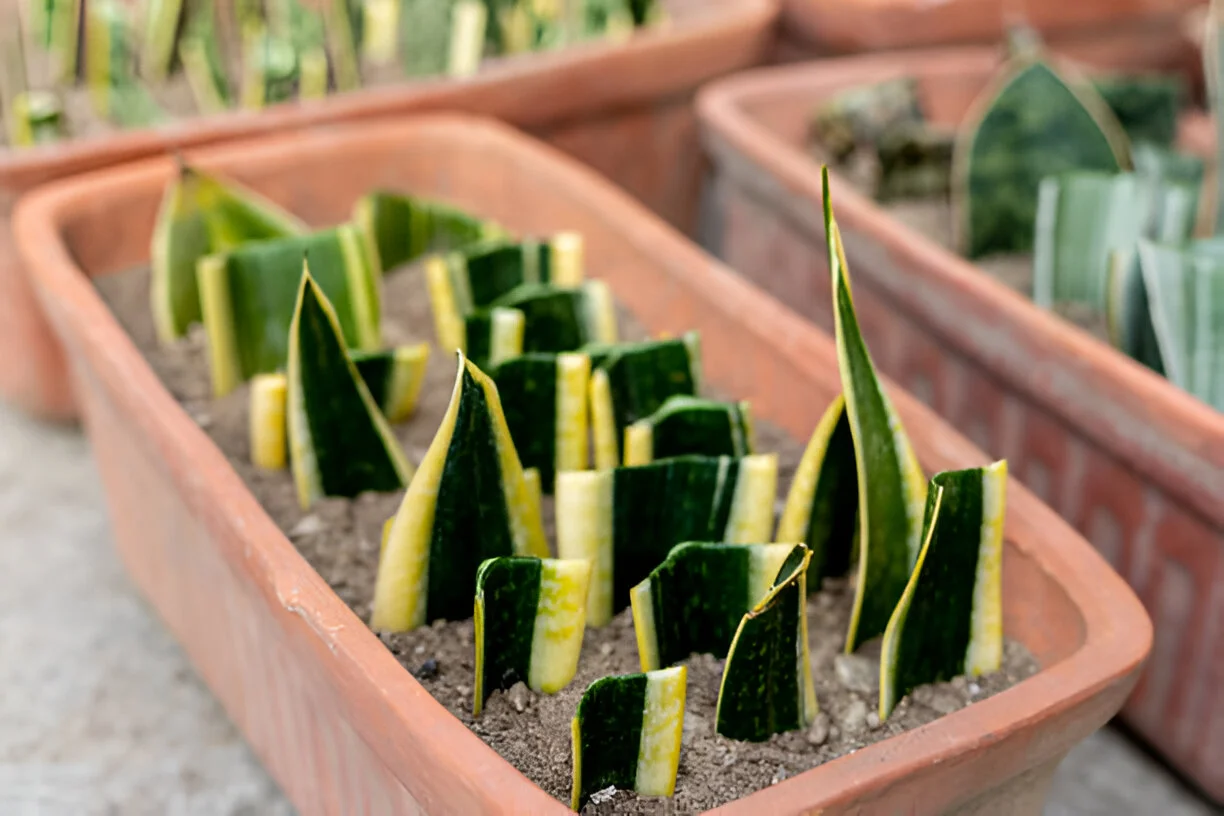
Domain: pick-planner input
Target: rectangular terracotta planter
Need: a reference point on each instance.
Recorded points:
(1135, 464)
(624, 109)
(336, 719)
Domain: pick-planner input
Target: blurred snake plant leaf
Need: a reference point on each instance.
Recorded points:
(200, 215)
(469, 501)
(1033, 121)
(685, 426)
(400, 228)
(1185, 294)
(161, 27)
(247, 298)
(630, 381)
(340, 444)
(200, 54)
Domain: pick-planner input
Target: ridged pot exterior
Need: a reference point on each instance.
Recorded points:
(336, 719)
(1133, 463)
(625, 109)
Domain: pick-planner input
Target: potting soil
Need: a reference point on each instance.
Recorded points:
(340, 538)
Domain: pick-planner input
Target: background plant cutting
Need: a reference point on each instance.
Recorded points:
(72, 68)
(1068, 189)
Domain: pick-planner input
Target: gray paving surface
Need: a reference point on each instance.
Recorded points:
(100, 713)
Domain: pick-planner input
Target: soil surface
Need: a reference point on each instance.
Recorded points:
(340, 538)
(933, 217)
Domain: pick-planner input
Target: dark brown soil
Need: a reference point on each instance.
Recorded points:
(933, 217)
(340, 538)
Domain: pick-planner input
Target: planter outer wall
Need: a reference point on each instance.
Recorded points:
(1114, 33)
(624, 109)
(1136, 465)
(339, 723)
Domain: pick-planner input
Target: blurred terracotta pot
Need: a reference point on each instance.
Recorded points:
(339, 723)
(1134, 463)
(626, 109)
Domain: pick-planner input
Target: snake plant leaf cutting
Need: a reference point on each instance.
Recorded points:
(200, 55)
(949, 622)
(1085, 218)
(247, 298)
(767, 684)
(530, 618)
(1213, 74)
(401, 228)
(1145, 105)
(563, 318)
(822, 506)
(269, 395)
(1185, 295)
(694, 600)
(1128, 312)
(394, 377)
(269, 69)
(425, 36)
(544, 398)
(1032, 122)
(626, 734)
(201, 215)
(341, 44)
(690, 425)
(35, 117)
(630, 381)
(469, 501)
(55, 26)
(339, 442)
(1082, 218)
(891, 486)
(626, 520)
(492, 336)
(161, 23)
(477, 277)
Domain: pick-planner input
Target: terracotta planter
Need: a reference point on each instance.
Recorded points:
(336, 719)
(625, 109)
(1141, 32)
(1135, 464)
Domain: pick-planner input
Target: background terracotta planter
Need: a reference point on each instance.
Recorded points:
(625, 109)
(1143, 33)
(1135, 464)
(338, 722)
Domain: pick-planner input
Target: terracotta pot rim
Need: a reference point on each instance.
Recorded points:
(1117, 631)
(1174, 420)
(374, 101)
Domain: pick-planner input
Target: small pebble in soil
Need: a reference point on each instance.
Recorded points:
(518, 696)
(427, 670)
(858, 673)
(309, 525)
(605, 795)
(873, 720)
(818, 731)
(854, 717)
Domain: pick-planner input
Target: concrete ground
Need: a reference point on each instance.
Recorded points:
(101, 713)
